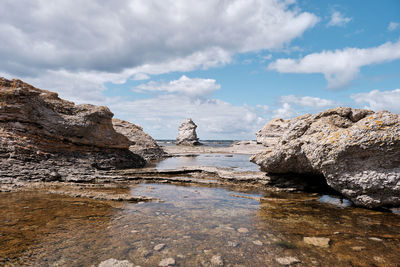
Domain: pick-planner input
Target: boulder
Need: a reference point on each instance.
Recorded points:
(356, 150)
(187, 134)
(270, 134)
(42, 134)
(140, 142)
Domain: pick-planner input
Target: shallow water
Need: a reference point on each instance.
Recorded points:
(195, 224)
(236, 161)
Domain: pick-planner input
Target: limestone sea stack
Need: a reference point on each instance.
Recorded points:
(357, 151)
(43, 136)
(141, 143)
(187, 134)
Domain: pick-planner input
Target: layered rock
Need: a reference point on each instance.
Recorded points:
(270, 134)
(187, 134)
(141, 143)
(356, 150)
(43, 136)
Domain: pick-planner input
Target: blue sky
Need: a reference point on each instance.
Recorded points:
(230, 65)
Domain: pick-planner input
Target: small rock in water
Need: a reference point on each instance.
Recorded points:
(322, 242)
(167, 262)
(243, 230)
(216, 260)
(115, 263)
(159, 247)
(257, 242)
(232, 244)
(287, 260)
(375, 239)
(357, 248)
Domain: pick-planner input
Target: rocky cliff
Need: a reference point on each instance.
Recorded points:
(140, 142)
(356, 150)
(187, 134)
(41, 134)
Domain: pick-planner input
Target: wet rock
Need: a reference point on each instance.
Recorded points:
(115, 263)
(232, 244)
(167, 262)
(375, 239)
(243, 230)
(141, 143)
(357, 151)
(257, 242)
(159, 247)
(287, 260)
(357, 248)
(39, 131)
(217, 260)
(187, 134)
(322, 242)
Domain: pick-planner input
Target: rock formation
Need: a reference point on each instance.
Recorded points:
(356, 150)
(187, 134)
(141, 143)
(45, 137)
(270, 134)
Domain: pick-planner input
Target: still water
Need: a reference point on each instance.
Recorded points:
(238, 162)
(196, 226)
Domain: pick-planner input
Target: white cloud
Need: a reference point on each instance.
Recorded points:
(113, 36)
(393, 26)
(379, 100)
(190, 87)
(337, 19)
(291, 105)
(308, 101)
(340, 66)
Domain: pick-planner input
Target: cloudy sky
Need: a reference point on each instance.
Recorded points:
(231, 65)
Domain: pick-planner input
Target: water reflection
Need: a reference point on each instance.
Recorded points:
(235, 161)
(195, 226)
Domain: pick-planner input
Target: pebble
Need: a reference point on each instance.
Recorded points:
(287, 260)
(115, 263)
(357, 248)
(257, 242)
(159, 247)
(232, 244)
(322, 242)
(375, 239)
(243, 230)
(167, 262)
(216, 260)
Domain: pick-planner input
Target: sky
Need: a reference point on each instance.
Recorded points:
(230, 65)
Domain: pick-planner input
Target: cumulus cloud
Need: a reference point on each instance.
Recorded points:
(338, 19)
(340, 66)
(393, 26)
(195, 87)
(379, 100)
(291, 105)
(112, 36)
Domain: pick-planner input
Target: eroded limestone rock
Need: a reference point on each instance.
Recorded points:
(141, 143)
(187, 134)
(356, 150)
(42, 135)
(270, 134)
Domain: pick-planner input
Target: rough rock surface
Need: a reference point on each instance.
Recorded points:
(270, 134)
(356, 150)
(141, 143)
(45, 137)
(187, 134)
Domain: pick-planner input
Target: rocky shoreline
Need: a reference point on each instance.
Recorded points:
(45, 140)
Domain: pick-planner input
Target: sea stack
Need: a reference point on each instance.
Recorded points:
(187, 134)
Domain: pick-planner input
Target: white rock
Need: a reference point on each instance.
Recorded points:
(115, 263)
(187, 133)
